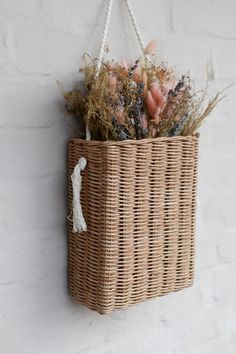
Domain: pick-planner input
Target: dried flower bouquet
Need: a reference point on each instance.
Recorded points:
(139, 100)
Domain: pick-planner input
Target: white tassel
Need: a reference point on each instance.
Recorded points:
(79, 223)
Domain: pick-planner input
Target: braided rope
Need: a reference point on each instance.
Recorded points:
(79, 223)
(105, 30)
(104, 37)
(135, 24)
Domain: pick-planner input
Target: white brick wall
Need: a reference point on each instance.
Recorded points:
(42, 41)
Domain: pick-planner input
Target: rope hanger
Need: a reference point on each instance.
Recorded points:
(106, 27)
(79, 223)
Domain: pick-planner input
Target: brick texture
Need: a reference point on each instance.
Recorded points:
(42, 41)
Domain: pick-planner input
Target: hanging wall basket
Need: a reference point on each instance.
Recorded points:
(139, 201)
(132, 205)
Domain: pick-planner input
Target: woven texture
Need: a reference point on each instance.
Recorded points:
(139, 202)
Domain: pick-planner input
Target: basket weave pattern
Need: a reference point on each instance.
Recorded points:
(139, 202)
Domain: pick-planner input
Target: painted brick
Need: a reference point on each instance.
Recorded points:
(224, 56)
(227, 246)
(40, 104)
(18, 10)
(31, 203)
(223, 344)
(4, 46)
(33, 152)
(41, 42)
(211, 18)
(47, 52)
(34, 252)
(185, 54)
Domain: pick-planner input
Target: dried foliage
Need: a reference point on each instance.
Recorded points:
(198, 115)
(138, 101)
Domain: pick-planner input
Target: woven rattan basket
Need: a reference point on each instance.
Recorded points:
(139, 201)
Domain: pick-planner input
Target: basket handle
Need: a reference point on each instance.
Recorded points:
(105, 31)
(79, 224)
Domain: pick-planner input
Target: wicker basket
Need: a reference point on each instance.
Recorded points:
(139, 201)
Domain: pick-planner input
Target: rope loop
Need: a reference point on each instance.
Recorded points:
(105, 31)
(79, 223)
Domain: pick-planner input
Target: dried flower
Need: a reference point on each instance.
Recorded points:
(151, 47)
(136, 101)
(155, 101)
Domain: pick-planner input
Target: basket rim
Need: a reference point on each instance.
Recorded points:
(134, 142)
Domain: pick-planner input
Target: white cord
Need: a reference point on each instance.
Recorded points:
(79, 223)
(135, 24)
(104, 37)
(105, 30)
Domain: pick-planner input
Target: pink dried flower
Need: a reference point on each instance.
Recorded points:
(125, 65)
(120, 116)
(113, 82)
(145, 81)
(156, 118)
(151, 104)
(169, 85)
(157, 94)
(151, 47)
(153, 131)
(137, 74)
(155, 101)
(144, 121)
